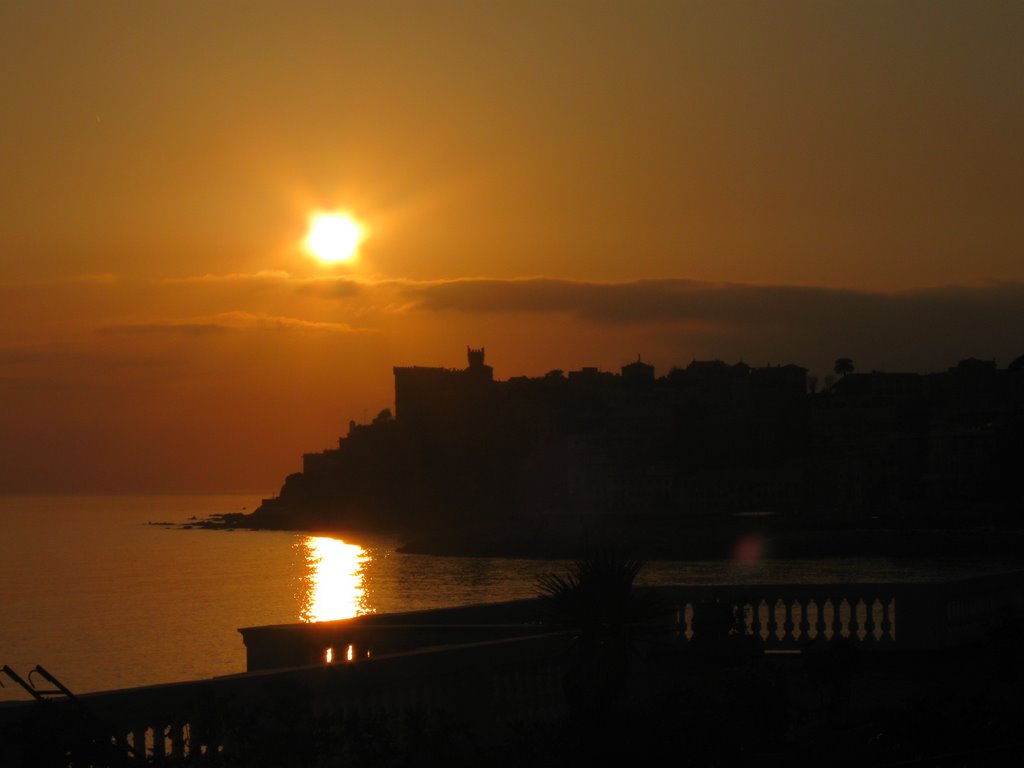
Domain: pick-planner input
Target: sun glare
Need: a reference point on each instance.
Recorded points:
(334, 581)
(333, 238)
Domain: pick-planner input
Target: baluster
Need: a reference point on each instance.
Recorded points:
(518, 689)
(177, 734)
(787, 620)
(869, 619)
(499, 693)
(523, 701)
(159, 746)
(748, 619)
(755, 620)
(820, 627)
(517, 692)
(838, 624)
(199, 737)
(829, 612)
(805, 624)
(139, 745)
(534, 693)
(215, 736)
(515, 698)
(888, 620)
(408, 697)
(123, 744)
(773, 622)
(225, 744)
(400, 697)
(410, 700)
(856, 626)
(810, 619)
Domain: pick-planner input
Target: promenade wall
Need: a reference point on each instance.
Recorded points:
(482, 673)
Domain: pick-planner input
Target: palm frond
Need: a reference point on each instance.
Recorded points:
(597, 592)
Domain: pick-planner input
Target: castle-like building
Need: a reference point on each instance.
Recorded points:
(426, 397)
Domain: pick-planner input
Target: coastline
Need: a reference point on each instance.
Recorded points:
(656, 538)
(900, 544)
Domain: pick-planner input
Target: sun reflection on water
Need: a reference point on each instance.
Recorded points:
(333, 585)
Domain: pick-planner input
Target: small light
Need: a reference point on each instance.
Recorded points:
(350, 652)
(329, 655)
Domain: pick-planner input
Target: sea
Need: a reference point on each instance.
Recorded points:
(109, 592)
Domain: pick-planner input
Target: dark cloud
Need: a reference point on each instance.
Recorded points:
(330, 288)
(661, 301)
(897, 329)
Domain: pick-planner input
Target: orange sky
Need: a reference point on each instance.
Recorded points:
(566, 183)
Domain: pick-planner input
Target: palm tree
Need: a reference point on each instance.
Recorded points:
(843, 366)
(596, 595)
(598, 602)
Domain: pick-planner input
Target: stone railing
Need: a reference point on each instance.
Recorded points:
(875, 616)
(482, 669)
(904, 617)
(479, 690)
(789, 617)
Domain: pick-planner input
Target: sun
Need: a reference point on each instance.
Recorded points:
(333, 238)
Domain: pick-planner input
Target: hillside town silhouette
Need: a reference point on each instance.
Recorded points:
(468, 462)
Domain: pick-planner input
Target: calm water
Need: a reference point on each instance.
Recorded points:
(103, 600)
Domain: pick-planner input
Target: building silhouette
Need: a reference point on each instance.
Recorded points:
(699, 443)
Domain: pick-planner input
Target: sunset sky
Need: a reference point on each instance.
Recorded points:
(567, 183)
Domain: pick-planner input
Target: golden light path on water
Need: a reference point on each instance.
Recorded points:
(334, 580)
